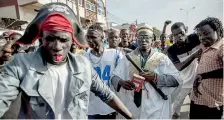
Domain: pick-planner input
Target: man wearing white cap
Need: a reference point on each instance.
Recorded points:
(141, 98)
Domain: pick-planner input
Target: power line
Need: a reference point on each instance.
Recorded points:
(114, 16)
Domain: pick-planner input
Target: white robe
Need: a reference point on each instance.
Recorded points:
(152, 105)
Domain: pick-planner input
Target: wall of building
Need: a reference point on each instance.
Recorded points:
(8, 12)
(69, 3)
(24, 9)
(23, 2)
(6, 3)
(27, 13)
(101, 19)
(101, 15)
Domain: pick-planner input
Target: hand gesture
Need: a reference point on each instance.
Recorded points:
(7, 50)
(198, 54)
(167, 22)
(148, 76)
(127, 84)
(196, 84)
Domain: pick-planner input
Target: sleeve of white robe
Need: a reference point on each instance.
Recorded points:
(121, 71)
(167, 74)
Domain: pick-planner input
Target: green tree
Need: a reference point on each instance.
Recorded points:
(157, 32)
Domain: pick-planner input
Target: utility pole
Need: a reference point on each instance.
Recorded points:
(136, 22)
(187, 12)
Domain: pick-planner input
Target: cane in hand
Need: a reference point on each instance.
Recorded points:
(151, 82)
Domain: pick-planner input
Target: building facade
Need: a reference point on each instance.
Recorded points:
(15, 14)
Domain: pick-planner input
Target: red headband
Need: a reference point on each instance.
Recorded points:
(58, 22)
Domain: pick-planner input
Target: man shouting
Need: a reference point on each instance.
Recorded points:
(52, 82)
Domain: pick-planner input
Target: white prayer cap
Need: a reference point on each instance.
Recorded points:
(145, 27)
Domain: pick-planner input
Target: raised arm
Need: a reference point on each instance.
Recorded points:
(182, 65)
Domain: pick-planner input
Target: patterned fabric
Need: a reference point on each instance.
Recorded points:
(212, 88)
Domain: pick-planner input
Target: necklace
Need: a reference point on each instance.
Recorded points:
(97, 61)
(143, 59)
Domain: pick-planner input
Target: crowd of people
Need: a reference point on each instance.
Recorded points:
(78, 75)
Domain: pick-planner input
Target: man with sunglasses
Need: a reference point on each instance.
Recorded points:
(146, 103)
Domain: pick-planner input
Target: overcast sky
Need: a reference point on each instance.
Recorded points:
(155, 12)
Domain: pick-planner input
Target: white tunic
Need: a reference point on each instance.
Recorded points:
(152, 105)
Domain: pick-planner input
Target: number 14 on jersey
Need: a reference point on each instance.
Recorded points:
(106, 73)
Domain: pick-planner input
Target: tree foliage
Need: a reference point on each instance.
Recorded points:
(157, 32)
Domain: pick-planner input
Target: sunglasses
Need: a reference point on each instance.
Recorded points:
(147, 38)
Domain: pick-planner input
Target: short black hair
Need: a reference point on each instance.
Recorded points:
(123, 29)
(11, 36)
(178, 25)
(96, 27)
(215, 24)
(112, 31)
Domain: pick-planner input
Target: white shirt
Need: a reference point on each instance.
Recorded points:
(188, 74)
(59, 79)
(104, 66)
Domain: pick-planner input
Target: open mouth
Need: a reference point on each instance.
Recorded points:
(59, 57)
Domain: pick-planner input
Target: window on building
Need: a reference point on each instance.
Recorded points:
(81, 2)
(90, 6)
(101, 10)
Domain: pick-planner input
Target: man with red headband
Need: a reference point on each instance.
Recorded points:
(52, 83)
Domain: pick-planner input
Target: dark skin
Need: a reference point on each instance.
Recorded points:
(95, 41)
(171, 38)
(179, 36)
(113, 39)
(207, 37)
(179, 39)
(18, 46)
(145, 42)
(157, 44)
(124, 34)
(2, 43)
(56, 43)
(7, 50)
(73, 48)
